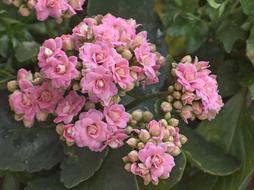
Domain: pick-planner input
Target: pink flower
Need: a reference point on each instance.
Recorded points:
(69, 107)
(24, 102)
(47, 97)
(188, 97)
(91, 131)
(116, 140)
(116, 116)
(144, 55)
(79, 34)
(98, 82)
(48, 49)
(139, 169)
(68, 42)
(121, 73)
(54, 8)
(77, 4)
(156, 129)
(24, 74)
(98, 54)
(106, 33)
(60, 69)
(69, 132)
(157, 160)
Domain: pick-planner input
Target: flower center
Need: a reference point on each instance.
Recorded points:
(92, 130)
(114, 115)
(45, 96)
(66, 108)
(157, 160)
(48, 52)
(99, 57)
(100, 83)
(60, 69)
(50, 3)
(26, 100)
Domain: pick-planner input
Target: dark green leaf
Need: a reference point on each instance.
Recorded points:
(233, 130)
(28, 51)
(250, 46)
(248, 6)
(214, 4)
(207, 156)
(10, 182)
(79, 165)
(24, 149)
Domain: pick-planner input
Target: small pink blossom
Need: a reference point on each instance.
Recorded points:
(116, 116)
(144, 55)
(47, 97)
(69, 107)
(106, 33)
(139, 169)
(157, 160)
(24, 74)
(68, 42)
(60, 69)
(69, 133)
(54, 8)
(77, 4)
(91, 132)
(98, 82)
(116, 140)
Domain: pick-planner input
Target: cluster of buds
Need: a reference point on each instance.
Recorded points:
(154, 145)
(81, 79)
(195, 92)
(57, 9)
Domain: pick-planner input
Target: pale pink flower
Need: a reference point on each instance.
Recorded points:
(79, 34)
(69, 107)
(97, 54)
(140, 38)
(54, 8)
(116, 140)
(139, 169)
(47, 97)
(60, 69)
(121, 73)
(69, 132)
(116, 116)
(157, 160)
(77, 4)
(156, 129)
(188, 97)
(106, 33)
(68, 42)
(48, 49)
(144, 55)
(98, 82)
(24, 74)
(91, 132)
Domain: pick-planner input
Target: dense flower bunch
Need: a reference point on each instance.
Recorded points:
(81, 78)
(154, 144)
(57, 9)
(195, 92)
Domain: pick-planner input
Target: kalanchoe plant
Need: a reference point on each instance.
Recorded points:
(43, 9)
(81, 80)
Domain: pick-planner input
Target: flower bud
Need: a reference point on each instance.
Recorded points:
(166, 134)
(173, 72)
(171, 130)
(132, 142)
(23, 10)
(12, 85)
(153, 48)
(129, 129)
(161, 60)
(183, 139)
(167, 116)
(98, 18)
(125, 159)
(130, 86)
(202, 116)
(170, 147)
(126, 54)
(16, 3)
(28, 123)
(137, 115)
(197, 108)
(174, 122)
(18, 117)
(178, 105)
(176, 151)
(38, 79)
(122, 93)
(170, 98)
(147, 179)
(144, 135)
(60, 129)
(186, 59)
(68, 43)
(140, 145)
(127, 167)
(89, 105)
(166, 107)
(186, 113)
(147, 116)
(155, 182)
(133, 156)
(42, 116)
(178, 86)
(177, 95)
(170, 89)
(31, 4)
(76, 86)
(133, 122)
(163, 122)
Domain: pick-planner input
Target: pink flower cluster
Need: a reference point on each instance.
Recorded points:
(80, 78)
(45, 8)
(154, 148)
(199, 89)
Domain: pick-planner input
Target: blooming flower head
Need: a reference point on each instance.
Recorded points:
(69, 107)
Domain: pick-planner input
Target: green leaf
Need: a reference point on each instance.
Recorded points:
(24, 149)
(214, 4)
(248, 6)
(79, 165)
(233, 129)
(175, 176)
(10, 182)
(250, 46)
(28, 51)
(207, 156)
(112, 175)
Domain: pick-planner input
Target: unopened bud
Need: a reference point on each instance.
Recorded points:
(170, 89)
(155, 182)
(177, 95)
(16, 3)
(129, 86)
(170, 147)
(24, 11)
(152, 47)
(178, 86)
(122, 93)
(127, 167)
(173, 72)
(132, 142)
(186, 59)
(178, 105)
(42, 116)
(174, 122)
(125, 159)
(166, 107)
(167, 116)
(144, 135)
(176, 151)
(137, 115)
(12, 85)
(127, 54)
(60, 129)
(147, 179)
(18, 117)
(133, 156)
(28, 123)
(171, 130)
(197, 108)
(76, 86)
(89, 105)
(129, 129)
(163, 122)
(183, 139)
(161, 60)
(166, 134)
(170, 98)
(98, 18)
(31, 4)
(140, 145)
(147, 116)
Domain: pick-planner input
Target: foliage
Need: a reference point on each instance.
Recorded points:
(218, 155)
